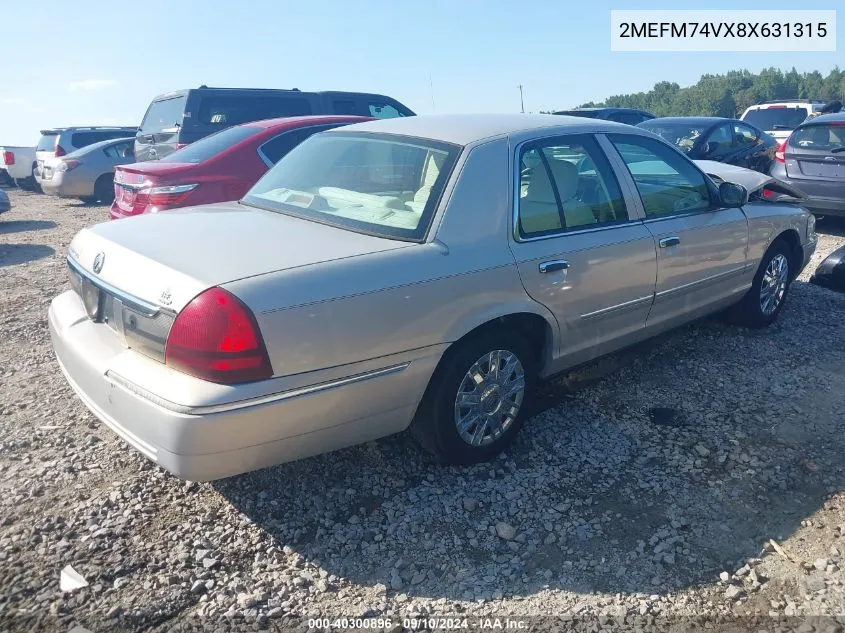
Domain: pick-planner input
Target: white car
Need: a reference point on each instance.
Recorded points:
(18, 163)
(779, 118)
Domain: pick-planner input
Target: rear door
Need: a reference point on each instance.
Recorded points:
(577, 249)
(815, 159)
(159, 132)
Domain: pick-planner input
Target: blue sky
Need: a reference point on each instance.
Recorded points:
(100, 62)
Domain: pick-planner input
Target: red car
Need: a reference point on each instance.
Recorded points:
(217, 168)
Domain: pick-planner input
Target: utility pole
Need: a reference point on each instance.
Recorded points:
(431, 87)
(521, 102)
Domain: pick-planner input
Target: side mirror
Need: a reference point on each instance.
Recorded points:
(732, 195)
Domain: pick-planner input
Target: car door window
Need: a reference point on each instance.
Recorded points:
(745, 135)
(667, 182)
(383, 111)
(118, 150)
(231, 110)
(720, 140)
(566, 183)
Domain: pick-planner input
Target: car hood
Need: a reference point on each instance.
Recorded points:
(168, 258)
(752, 180)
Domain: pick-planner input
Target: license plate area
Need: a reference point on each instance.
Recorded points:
(822, 170)
(126, 198)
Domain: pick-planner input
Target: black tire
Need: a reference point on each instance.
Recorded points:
(749, 311)
(35, 186)
(104, 189)
(434, 425)
(26, 184)
(89, 200)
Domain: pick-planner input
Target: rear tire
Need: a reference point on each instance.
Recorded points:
(26, 184)
(35, 186)
(104, 189)
(763, 302)
(475, 404)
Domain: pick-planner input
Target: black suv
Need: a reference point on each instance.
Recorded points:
(176, 119)
(620, 115)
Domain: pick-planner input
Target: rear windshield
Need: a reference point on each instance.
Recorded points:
(163, 115)
(210, 146)
(681, 135)
(47, 143)
(773, 119)
(590, 114)
(380, 185)
(819, 137)
(231, 110)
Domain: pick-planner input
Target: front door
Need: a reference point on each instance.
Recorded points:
(577, 250)
(702, 249)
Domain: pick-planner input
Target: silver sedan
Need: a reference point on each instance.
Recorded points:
(418, 272)
(88, 173)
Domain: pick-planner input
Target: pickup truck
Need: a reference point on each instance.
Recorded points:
(18, 163)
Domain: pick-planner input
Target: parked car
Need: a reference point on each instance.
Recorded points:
(813, 160)
(629, 116)
(779, 118)
(5, 202)
(88, 173)
(61, 141)
(419, 271)
(217, 168)
(176, 119)
(715, 138)
(18, 163)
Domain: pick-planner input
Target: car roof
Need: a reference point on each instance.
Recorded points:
(465, 129)
(293, 91)
(690, 119)
(302, 121)
(86, 128)
(834, 117)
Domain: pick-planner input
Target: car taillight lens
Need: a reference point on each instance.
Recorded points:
(9, 158)
(67, 165)
(780, 153)
(215, 337)
(60, 151)
(163, 196)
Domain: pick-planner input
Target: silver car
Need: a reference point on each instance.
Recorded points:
(88, 173)
(418, 272)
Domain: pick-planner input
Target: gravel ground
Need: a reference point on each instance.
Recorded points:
(697, 475)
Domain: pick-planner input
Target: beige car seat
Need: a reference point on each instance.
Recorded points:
(539, 211)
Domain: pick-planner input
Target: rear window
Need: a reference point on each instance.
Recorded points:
(231, 110)
(210, 146)
(47, 143)
(163, 115)
(819, 137)
(379, 185)
(590, 114)
(773, 119)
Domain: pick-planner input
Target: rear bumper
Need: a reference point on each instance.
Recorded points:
(202, 443)
(64, 189)
(822, 199)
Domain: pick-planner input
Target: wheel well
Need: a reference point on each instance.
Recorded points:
(533, 327)
(797, 252)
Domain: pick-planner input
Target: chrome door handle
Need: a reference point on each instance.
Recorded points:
(554, 265)
(666, 242)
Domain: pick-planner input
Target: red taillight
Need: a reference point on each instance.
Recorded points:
(215, 337)
(60, 151)
(162, 197)
(780, 153)
(9, 158)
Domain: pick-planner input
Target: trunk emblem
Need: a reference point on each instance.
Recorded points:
(98, 262)
(831, 158)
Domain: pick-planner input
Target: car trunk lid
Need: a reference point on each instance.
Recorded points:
(129, 179)
(167, 259)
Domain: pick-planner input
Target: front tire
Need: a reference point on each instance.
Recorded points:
(474, 405)
(765, 299)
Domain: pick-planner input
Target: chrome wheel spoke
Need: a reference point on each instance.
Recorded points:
(489, 397)
(774, 283)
